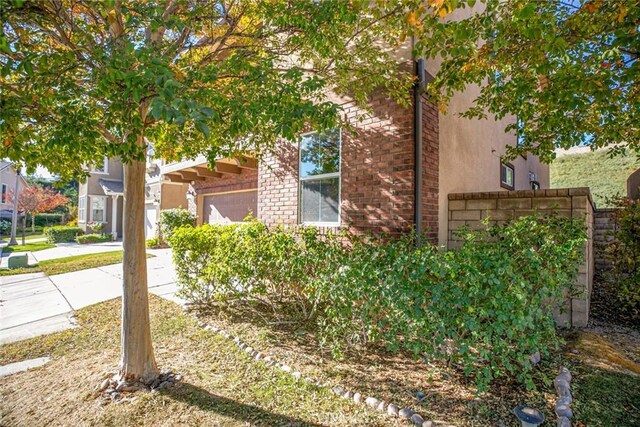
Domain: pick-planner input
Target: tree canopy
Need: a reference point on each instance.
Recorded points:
(568, 70)
(84, 79)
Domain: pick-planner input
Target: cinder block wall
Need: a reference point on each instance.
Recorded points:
(470, 209)
(603, 228)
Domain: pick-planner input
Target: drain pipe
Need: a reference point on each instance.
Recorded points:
(418, 87)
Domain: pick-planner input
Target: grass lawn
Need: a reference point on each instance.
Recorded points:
(30, 247)
(222, 385)
(69, 264)
(605, 176)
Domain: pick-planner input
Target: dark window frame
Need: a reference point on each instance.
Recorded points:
(503, 182)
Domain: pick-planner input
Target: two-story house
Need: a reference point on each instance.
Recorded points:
(7, 185)
(100, 197)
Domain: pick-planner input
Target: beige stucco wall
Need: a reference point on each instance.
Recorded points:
(470, 153)
(8, 178)
(174, 195)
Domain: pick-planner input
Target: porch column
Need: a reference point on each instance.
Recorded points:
(114, 217)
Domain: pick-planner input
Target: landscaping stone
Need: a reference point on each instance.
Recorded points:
(392, 410)
(427, 424)
(357, 397)
(535, 358)
(371, 402)
(416, 419)
(382, 406)
(348, 395)
(103, 386)
(338, 390)
(286, 368)
(405, 413)
(563, 411)
(564, 422)
(420, 395)
(297, 375)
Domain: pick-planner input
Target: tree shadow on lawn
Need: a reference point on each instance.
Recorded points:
(373, 370)
(207, 401)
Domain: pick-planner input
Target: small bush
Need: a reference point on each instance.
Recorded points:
(61, 233)
(48, 219)
(96, 227)
(486, 307)
(93, 238)
(171, 219)
(154, 243)
(623, 254)
(5, 226)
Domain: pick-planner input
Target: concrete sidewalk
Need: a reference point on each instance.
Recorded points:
(63, 250)
(34, 304)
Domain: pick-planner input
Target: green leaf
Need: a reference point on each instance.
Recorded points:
(203, 128)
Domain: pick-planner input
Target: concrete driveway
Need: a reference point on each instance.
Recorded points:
(34, 304)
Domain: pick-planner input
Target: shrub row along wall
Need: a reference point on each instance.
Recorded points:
(472, 209)
(603, 227)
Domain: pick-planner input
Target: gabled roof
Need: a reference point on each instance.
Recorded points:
(112, 187)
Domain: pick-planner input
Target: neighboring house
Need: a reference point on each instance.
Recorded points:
(7, 185)
(100, 197)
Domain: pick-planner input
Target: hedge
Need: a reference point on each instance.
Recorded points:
(61, 233)
(94, 238)
(485, 307)
(48, 219)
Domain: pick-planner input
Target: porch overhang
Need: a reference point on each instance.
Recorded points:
(198, 168)
(112, 187)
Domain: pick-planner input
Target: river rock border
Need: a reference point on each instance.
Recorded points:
(115, 389)
(380, 405)
(562, 384)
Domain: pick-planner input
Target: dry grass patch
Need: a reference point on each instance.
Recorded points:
(222, 386)
(451, 398)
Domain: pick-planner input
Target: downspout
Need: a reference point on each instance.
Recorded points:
(417, 147)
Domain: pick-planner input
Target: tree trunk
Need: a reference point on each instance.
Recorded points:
(33, 223)
(137, 361)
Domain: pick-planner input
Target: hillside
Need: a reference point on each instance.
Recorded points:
(604, 175)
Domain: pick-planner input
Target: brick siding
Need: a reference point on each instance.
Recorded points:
(377, 172)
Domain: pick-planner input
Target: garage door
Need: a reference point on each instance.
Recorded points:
(151, 221)
(230, 207)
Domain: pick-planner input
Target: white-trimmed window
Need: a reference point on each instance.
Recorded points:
(82, 209)
(320, 178)
(98, 209)
(102, 168)
(4, 194)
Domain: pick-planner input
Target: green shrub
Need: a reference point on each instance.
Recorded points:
(170, 219)
(61, 233)
(5, 226)
(94, 238)
(154, 243)
(486, 307)
(48, 219)
(623, 254)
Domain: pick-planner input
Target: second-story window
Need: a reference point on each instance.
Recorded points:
(4, 193)
(320, 178)
(101, 167)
